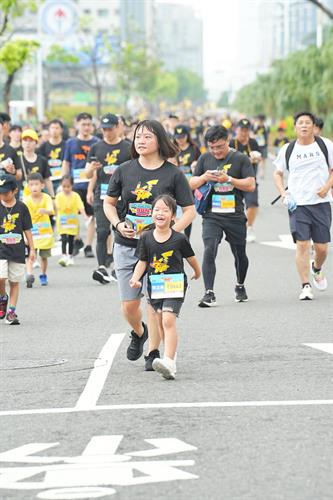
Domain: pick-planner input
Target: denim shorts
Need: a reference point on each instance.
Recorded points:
(311, 222)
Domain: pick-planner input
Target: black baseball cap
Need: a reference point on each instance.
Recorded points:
(181, 130)
(109, 121)
(244, 123)
(7, 183)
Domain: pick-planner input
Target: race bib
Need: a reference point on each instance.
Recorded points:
(70, 221)
(41, 230)
(223, 204)
(10, 238)
(165, 286)
(104, 189)
(79, 175)
(140, 209)
(138, 224)
(110, 169)
(261, 140)
(55, 169)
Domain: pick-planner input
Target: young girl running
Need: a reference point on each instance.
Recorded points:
(161, 252)
(68, 205)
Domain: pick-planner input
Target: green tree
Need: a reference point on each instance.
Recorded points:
(11, 9)
(13, 55)
(190, 86)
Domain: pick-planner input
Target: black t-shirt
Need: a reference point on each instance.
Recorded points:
(166, 257)
(39, 166)
(138, 187)
(278, 143)
(110, 156)
(239, 167)
(187, 157)
(246, 149)
(7, 151)
(14, 221)
(54, 154)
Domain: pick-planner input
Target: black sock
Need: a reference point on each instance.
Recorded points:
(315, 269)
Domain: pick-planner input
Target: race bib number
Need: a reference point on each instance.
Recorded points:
(10, 238)
(110, 169)
(79, 175)
(55, 169)
(138, 224)
(261, 140)
(104, 189)
(70, 221)
(140, 209)
(223, 204)
(165, 286)
(41, 230)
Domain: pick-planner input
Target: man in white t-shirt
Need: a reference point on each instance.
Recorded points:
(308, 198)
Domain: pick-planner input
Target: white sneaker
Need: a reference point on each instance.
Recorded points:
(36, 264)
(250, 236)
(70, 261)
(166, 367)
(306, 293)
(63, 261)
(319, 280)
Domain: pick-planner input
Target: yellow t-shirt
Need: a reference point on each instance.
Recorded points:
(42, 231)
(68, 207)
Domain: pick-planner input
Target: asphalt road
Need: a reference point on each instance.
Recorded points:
(249, 417)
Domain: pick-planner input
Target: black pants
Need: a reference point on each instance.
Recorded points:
(235, 233)
(67, 239)
(103, 231)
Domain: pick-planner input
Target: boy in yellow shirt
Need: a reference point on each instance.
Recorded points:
(40, 206)
(68, 204)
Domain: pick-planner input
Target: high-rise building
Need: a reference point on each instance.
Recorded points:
(137, 20)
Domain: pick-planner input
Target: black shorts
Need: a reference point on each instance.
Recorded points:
(234, 229)
(251, 198)
(311, 222)
(167, 305)
(83, 195)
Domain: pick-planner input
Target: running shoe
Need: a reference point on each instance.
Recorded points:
(240, 294)
(208, 300)
(101, 275)
(43, 279)
(250, 236)
(30, 278)
(166, 367)
(3, 306)
(150, 358)
(70, 260)
(63, 261)
(306, 293)
(318, 278)
(135, 349)
(11, 318)
(113, 276)
(78, 244)
(88, 252)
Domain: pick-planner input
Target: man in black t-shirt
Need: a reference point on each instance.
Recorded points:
(53, 150)
(230, 173)
(103, 159)
(244, 144)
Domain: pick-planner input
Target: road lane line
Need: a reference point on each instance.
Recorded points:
(98, 376)
(163, 406)
(328, 347)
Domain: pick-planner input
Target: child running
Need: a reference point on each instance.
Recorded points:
(40, 206)
(161, 252)
(15, 225)
(68, 205)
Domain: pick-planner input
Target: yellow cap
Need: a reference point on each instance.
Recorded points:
(29, 132)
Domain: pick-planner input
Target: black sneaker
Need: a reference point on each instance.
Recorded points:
(135, 349)
(208, 300)
(30, 280)
(150, 358)
(88, 252)
(240, 294)
(101, 275)
(78, 244)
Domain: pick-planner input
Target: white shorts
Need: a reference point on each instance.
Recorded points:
(13, 271)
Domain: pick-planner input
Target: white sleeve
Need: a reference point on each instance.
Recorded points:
(329, 145)
(280, 161)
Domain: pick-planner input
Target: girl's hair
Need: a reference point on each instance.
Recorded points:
(166, 148)
(168, 200)
(67, 178)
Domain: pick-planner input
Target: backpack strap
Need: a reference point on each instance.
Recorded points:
(320, 143)
(289, 150)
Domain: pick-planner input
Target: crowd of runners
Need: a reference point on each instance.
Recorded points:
(138, 187)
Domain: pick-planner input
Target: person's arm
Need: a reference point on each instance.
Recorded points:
(65, 168)
(139, 271)
(194, 263)
(30, 242)
(91, 187)
(248, 184)
(326, 187)
(279, 183)
(110, 211)
(18, 174)
(199, 180)
(186, 219)
(49, 186)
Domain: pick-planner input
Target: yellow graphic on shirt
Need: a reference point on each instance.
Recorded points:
(184, 159)
(112, 158)
(161, 265)
(35, 169)
(9, 222)
(144, 192)
(226, 168)
(2, 155)
(54, 154)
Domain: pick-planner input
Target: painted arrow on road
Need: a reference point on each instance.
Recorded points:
(322, 347)
(285, 241)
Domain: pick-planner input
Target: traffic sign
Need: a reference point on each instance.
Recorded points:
(58, 17)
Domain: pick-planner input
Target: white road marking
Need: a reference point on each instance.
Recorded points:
(98, 376)
(162, 406)
(163, 447)
(285, 241)
(322, 347)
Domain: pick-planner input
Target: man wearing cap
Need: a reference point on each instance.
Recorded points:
(244, 144)
(74, 164)
(103, 159)
(30, 162)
